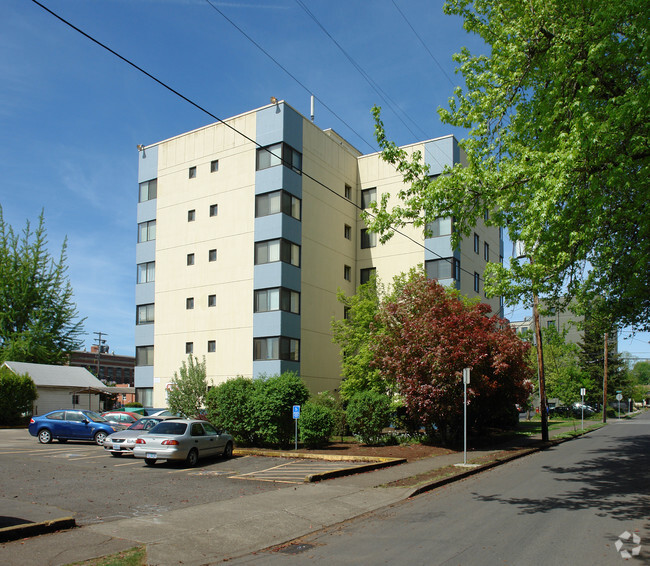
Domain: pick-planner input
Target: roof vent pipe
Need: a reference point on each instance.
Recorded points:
(312, 107)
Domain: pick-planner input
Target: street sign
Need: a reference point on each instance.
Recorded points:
(619, 397)
(296, 411)
(583, 391)
(466, 372)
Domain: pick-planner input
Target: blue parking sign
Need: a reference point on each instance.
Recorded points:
(296, 411)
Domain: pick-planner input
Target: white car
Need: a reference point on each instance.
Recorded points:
(182, 439)
(122, 442)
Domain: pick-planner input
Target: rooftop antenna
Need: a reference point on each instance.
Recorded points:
(312, 107)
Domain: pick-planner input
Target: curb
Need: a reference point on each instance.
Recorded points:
(33, 529)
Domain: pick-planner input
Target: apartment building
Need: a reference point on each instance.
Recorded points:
(247, 229)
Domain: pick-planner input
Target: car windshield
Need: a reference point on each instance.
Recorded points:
(95, 417)
(139, 425)
(167, 427)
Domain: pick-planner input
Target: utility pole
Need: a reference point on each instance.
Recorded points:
(540, 368)
(605, 383)
(100, 348)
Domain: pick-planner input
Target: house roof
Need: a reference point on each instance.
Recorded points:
(44, 375)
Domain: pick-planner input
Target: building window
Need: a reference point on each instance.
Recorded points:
(212, 255)
(444, 268)
(214, 209)
(75, 399)
(346, 313)
(486, 251)
(486, 215)
(347, 273)
(476, 243)
(550, 324)
(192, 173)
(144, 314)
(368, 239)
(276, 348)
(147, 231)
(212, 346)
(144, 355)
(189, 347)
(190, 259)
(501, 259)
(148, 190)
(276, 154)
(189, 303)
(368, 196)
(276, 202)
(441, 226)
(348, 192)
(191, 215)
(366, 274)
(476, 282)
(278, 298)
(212, 300)
(147, 272)
(347, 232)
(214, 166)
(277, 250)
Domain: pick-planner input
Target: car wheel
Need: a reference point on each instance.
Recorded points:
(192, 458)
(150, 461)
(100, 437)
(227, 451)
(116, 454)
(44, 436)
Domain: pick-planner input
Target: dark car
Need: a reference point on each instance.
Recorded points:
(67, 425)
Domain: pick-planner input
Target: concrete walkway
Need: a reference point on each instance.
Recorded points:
(209, 533)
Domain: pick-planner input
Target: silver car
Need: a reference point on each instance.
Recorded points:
(182, 439)
(122, 442)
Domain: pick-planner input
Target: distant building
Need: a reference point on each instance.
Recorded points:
(244, 240)
(112, 368)
(560, 320)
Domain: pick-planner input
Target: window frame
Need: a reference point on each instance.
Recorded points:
(146, 352)
(214, 210)
(289, 204)
(280, 153)
(191, 174)
(212, 301)
(477, 243)
(151, 192)
(214, 166)
(189, 303)
(191, 215)
(148, 228)
(368, 196)
(286, 300)
(288, 252)
(212, 255)
(147, 267)
(190, 259)
(149, 314)
(347, 273)
(368, 239)
(282, 349)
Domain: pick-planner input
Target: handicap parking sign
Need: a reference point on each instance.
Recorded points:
(296, 411)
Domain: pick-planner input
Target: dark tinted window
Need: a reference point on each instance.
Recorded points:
(169, 428)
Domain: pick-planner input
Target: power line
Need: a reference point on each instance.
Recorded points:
(249, 38)
(254, 142)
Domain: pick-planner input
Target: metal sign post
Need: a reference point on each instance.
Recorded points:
(466, 373)
(619, 397)
(296, 416)
(583, 392)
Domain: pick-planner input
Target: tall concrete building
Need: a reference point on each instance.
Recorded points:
(247, 229)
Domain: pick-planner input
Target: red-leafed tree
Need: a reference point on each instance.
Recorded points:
(429, 335)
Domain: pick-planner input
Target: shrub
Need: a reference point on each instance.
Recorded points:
(273, 400)
(326, 399)
(133, 404)
(229, 406)
(368, 412)
(17, 394)
(316, 424)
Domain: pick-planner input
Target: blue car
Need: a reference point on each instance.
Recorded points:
(67, 425)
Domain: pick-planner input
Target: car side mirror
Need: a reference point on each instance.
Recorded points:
(85, 421)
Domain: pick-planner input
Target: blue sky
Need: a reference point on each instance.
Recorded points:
(72, 114)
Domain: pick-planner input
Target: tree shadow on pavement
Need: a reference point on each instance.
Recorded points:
(614, 483)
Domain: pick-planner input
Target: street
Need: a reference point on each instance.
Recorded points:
(568, 504)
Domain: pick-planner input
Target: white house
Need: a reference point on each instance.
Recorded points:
(61, 387)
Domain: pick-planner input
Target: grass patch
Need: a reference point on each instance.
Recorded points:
(136, 556)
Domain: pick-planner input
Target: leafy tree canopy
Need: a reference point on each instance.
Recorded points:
(38, 319)
(17, 395)
(431, 334)
(641, 373)
(189, 388)
(558, 150)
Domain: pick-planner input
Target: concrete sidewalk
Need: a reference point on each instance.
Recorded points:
(210, 533)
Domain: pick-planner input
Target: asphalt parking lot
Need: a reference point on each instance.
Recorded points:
(95, 487)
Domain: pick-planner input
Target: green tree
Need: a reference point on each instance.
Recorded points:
(316, 424)
(640, 373)
(188, 388)
(17, 395)
(38, 319)
(558, 150)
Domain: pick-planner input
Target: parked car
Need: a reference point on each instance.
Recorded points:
(123, 441)
(162, 413)
(121, 417)
(182, 439)
(67, 425)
